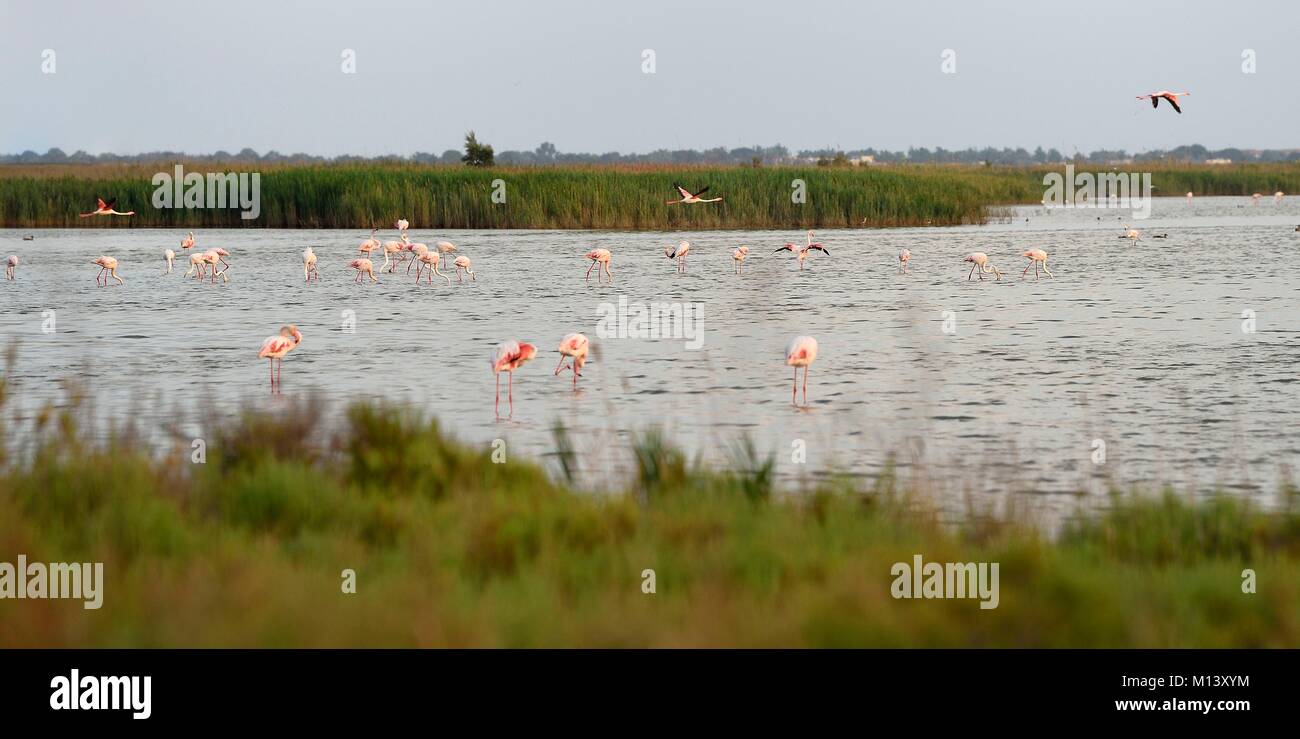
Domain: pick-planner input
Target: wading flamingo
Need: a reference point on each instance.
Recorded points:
(800, 352)
(170, 257)
(575, 346)
(1189, 198)
(738, 256)
(1172, 97)
(429, 259)
(679, 253)
(213, 259)
(904, 257)
(11, 264)
(275, 347)
(1277, 196)
(369, 245)
(1132, 234)
(395, 247)
(980, 261)
(509, 357)
(417, 251)
(402, 224)
(599, 258)
(309, 265)
(188, 241)
(801, 252)
(1036, 256)
(103, 208)
(364, 267)
(444, 248)
(107, 268)
(196, 266)
(688, 198)
(463, 262)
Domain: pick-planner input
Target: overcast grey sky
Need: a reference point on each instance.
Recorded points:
(137, 76)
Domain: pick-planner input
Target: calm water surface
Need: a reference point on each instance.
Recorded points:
(1139, 346)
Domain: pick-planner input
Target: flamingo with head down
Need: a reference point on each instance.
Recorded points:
(309, 265)
(364, 267)
(1036, 257)
(463, 262)
(599, 258)
(11, 264)
(107, 268)
(575, 347)
(510, 356)
(169, 256)
(980, 261)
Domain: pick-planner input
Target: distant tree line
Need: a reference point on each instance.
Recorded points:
(481, 154)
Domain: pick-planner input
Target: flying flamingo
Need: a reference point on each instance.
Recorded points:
(801, 252)
(188, 241)
(444, 248)
(599, 257)
(463, 262)
(417, 251)
(364, 267)
(1172, 97)
(170, 257)
(107, 268)
(575, 346)
(430, 259)
(196, 265)
(1035, 257)
(309, 265)
(679, 253)
(904, 257)
(11, 264)
(980, 261)
(509, 357)
(738, 256)
(103, 208)
(275, 347)
(800, 352)
(369, 244)
(688, 198)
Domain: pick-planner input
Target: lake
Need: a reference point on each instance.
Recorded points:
(1166, 362)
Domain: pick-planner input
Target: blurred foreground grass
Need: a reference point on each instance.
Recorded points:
(450, 549)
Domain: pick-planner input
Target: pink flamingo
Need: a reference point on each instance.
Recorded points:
(369, 244)
(800, 352)
(1189, 198)
(188, 241)
(575, 346)
(309, 265)
(1277, 196)
(801, 252)
(904, 257)
(430, 259)
(275, 347)
(509, 357)
(417, 251)
(197, 261)
(679, 253)
(738, 256)
(980, 261)
(105, 208)
(169, 256)
(11, 264)
(402, 224)
(394, 247)
(213, 258)
(599, 257)
(1036, 257)
(1172, 97)
(107, 268)
(688, 198)
(364, 267)
(463, 262)
(444, 248)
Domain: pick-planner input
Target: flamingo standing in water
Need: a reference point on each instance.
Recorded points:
(599, 257)
(688, 198)
(213, 258)
(444, 248)
(980, 261)
(738, 256)
(275, 347)
(904, 257)
(170, 257)
(196, 266)
(188, 241)
(309, 265)
(417, 251)
(1171, 97)
(679, 253)
(1132, 234)
(402, 224)
(1277, 196)
(11, 264)
(364, 267)
(575, 346)
(510, 356)
(107, 268)
(1036, 256)
(800, 352)
(430, 259)
(105, 208)
(463, 262)
(1189, 198)
(801, 252)
(394, 247)
(369, 245)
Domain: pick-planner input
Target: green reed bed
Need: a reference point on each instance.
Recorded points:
(434, 197)
(451, 549)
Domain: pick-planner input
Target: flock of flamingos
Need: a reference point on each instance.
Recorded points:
(511, 355)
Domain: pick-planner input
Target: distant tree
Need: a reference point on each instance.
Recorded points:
(476, 154)
(450, 156)
(546, 153)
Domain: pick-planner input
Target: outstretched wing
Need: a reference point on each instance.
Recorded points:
(819, 248)
(701, 192)
(109, 204)
(787, 247)
(1155, 101)
(1174, 102)
(100, 204)
(685, 193)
